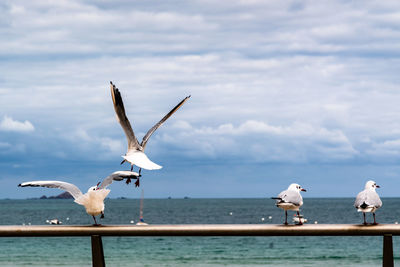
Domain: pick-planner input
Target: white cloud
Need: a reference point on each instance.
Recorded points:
(8, 148)
(96, 146)
(114, 146)
(80, 27)
(260, 141)
(385, 148)
(315, 82)
(8, 124)
(4, 145)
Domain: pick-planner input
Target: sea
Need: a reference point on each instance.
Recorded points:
(195, 251)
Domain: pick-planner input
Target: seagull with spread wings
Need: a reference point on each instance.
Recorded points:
(135, 154)
(93, 200)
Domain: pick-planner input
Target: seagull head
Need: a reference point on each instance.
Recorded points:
(296, 187)
(93, 188)
(371, 185)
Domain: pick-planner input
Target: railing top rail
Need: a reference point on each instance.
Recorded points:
(202, 230)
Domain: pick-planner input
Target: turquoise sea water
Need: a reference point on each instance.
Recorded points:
(194, 251)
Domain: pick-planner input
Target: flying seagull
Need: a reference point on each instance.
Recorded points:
(93, 200)
(290, 199)
(135, 154)
(368, 200)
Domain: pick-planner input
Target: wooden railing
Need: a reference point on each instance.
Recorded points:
(96, 232)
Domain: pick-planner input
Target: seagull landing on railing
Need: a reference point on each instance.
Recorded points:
(368, 200)
(135, 154)
(93, 199)
(290, 199)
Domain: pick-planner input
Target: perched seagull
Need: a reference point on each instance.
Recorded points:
(135, 154)
(368, 200)
(93, 200)
(290, 199)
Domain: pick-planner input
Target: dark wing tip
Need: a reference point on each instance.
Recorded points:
(113, 86)
(27, 185)
(115, 94)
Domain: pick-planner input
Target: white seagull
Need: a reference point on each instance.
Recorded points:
(290, 199)
(93, 200)
(135, 154)
(368, 200)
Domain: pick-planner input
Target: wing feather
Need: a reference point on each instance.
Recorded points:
(117, 176)
(290, 196)
(158, 124)
(122, 118)
(369, 197)
(70, 188)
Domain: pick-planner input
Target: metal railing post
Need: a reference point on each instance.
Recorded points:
(387, 260)
(97, 252)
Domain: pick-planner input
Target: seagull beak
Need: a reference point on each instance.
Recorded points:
(377, 186)
(303, 190)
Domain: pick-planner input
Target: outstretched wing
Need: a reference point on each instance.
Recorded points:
(155, 127)
(122, 118)
(117, 176)
(70, 188)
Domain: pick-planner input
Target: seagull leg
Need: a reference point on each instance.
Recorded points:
(102, 215)
(365, 222)
(95, 222)
(286, 218)
(375, 223)
(137, 183)
(131, 167)
(298, 216)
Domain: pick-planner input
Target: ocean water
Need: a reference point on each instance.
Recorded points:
(194, 251)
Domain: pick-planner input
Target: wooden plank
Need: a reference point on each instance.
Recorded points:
(203, 230)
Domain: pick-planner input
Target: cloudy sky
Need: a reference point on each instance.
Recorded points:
(282, 92)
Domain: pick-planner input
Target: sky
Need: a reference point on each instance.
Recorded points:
(281, 92)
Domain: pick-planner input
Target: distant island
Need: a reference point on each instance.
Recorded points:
(64, 195)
